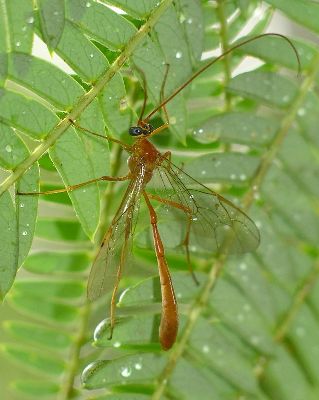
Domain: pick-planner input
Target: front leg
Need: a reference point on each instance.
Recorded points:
(77, 186)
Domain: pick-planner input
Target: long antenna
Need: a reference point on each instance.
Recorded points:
(169, 98)
(145, 92)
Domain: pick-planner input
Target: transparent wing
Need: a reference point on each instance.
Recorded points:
(213, 220)
(112, 258)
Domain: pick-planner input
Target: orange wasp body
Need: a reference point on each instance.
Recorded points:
(210, 219)
(144, 159)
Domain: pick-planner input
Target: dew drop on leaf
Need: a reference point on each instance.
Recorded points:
(205, 349)
(247, 307)
(285, 99)
(240, 317)
(172, 120)
(125, 372)
(182, 18)
(101, 327)
(138, 366)
(255, 340)
(243, 266)
(242, 177)
(301, 112)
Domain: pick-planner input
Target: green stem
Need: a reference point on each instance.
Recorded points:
(225, 46)
(4, 12)
(67, 385)
(286, 323)
(87, 98)
(285, 125)
(266, 162)
(297, 302)
(108, 195)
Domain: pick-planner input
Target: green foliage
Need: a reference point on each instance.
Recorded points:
(248, 331)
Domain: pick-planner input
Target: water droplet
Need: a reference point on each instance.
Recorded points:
(24, 233)
(205, 349)
(172, 120)
(256, 195)
(243, 266)
(247, 307)
(30, 20)
(18, 44)
(255, 340)
(138, 366)
(190, 20)
(126, 372)
(301, 112)
(179, 55)
(8, 148)
(88, 4)
(240, 317)
(22, 205)
(110, 97)
(203, 172)
(242, 177)
(182, 18)
(258, 224)
(232, 176)
(117, 344)
(91, 55)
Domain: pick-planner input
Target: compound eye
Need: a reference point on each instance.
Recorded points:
(135, 131)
